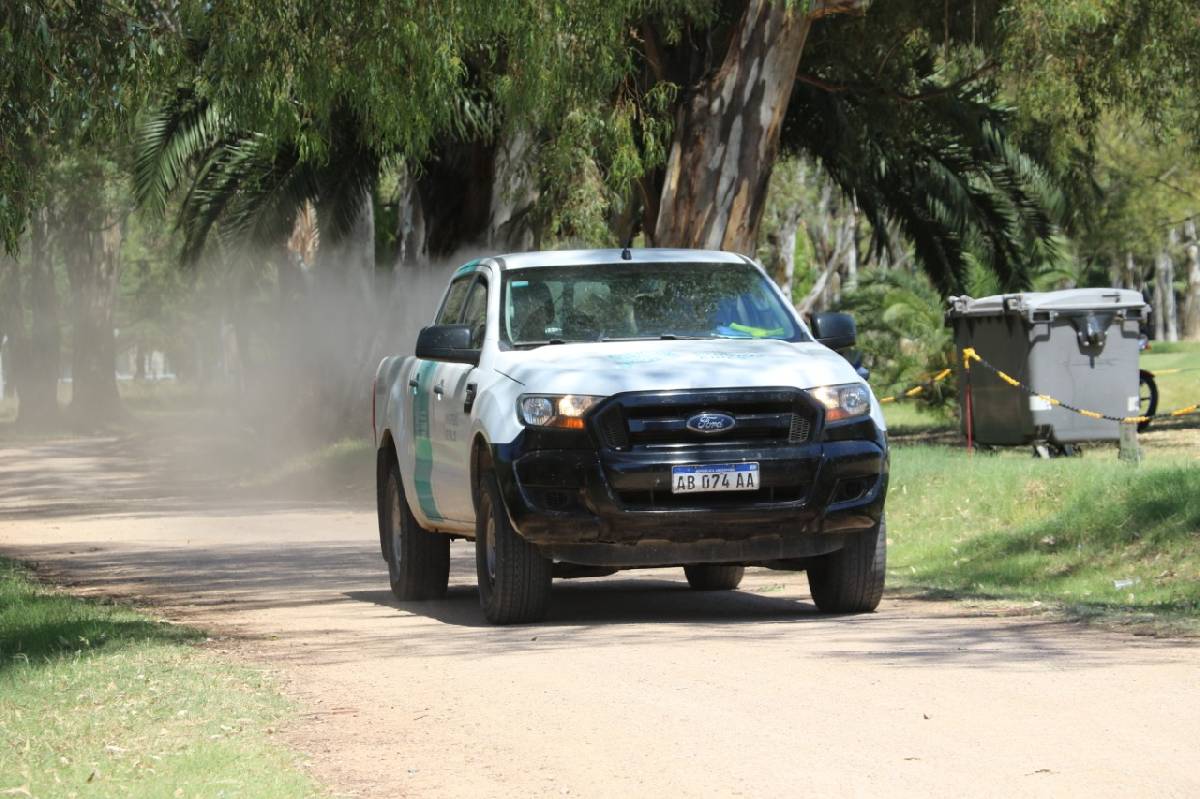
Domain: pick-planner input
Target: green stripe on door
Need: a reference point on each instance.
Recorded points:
(422, 446)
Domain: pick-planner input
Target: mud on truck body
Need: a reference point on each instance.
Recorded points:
(576, 413)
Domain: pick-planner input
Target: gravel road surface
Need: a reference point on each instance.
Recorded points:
(635, 686)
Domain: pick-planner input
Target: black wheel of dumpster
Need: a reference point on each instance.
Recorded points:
(1052, 449)
(418, 559)
(514, 578)
(1147, 397)
(851, 579)
(714, 576)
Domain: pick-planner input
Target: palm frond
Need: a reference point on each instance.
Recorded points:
(943, 168)
(169, 140)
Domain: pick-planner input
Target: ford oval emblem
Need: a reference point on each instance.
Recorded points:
(710, 422)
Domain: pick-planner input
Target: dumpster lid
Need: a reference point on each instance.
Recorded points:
(1070, 301)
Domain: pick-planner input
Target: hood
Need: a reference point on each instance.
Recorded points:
(606, 368)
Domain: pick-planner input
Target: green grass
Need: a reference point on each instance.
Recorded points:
(1090, 536)
(98, 700)
(913, 416)
(1179, 389)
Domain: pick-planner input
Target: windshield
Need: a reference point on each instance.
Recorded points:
(601, 302)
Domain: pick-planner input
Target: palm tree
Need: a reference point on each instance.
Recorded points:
(246, 184)
(944, 169)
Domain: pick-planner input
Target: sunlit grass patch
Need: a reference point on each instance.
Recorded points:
(1091, 535)
(97, 700)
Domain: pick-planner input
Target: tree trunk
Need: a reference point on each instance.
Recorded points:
(1191, 302)
(38, 393)
(94, 270)
(12, 327)
(514, 192)
(1133, 276)
(1158, 305)
(33, 356)
(787, 253)
(851, 282)
(1170, 308)
(727, 133)
(812, 301)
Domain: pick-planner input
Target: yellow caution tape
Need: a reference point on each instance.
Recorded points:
(969, 355)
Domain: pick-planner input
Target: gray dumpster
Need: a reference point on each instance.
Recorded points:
(1078, 346)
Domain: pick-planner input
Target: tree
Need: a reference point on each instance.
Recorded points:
(728, 125)
(92, 215)
(1130, 219)
(71, 70)
(29, 318)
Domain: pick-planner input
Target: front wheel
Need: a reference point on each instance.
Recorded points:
(851, 579)
(714, 576)
(418, 560)
(514, 578)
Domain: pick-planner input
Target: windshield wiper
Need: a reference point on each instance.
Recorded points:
(662, 337)
(627, 338)
(540, 343)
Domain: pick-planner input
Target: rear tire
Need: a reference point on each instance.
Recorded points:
(418, 560)
(851, 579)
(714, 576)
(1147, 397)
(514, 578)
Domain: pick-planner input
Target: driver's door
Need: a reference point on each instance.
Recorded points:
(452, 417)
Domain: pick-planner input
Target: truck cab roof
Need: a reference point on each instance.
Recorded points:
(524, 260)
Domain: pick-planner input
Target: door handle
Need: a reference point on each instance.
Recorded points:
(414, 383)
(469, 398)
(439, 389)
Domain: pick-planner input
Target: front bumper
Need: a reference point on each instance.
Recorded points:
(582, 502)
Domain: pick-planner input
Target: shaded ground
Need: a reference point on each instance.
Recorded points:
(635, 686)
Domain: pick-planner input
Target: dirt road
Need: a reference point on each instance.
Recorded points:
(634, 687)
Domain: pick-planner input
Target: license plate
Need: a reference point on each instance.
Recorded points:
(714, 477)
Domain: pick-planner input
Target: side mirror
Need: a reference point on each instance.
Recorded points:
(447, 343)
(835, 330)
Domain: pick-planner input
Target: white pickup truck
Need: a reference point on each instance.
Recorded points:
(575, 413)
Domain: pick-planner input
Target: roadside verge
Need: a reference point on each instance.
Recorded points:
(98, 699)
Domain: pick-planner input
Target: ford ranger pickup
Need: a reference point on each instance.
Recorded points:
(579, 412)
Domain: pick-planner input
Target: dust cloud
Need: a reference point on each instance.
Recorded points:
(275, 398)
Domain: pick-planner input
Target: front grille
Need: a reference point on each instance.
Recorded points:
(610, 428)
(800, 429)
(659, 419)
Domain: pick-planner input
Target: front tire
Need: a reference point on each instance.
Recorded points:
(714, 576)
(418, 560)
(851, 579)
(514, 578)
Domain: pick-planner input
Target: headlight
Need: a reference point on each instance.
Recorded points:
(843, 402)
(555, 410)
